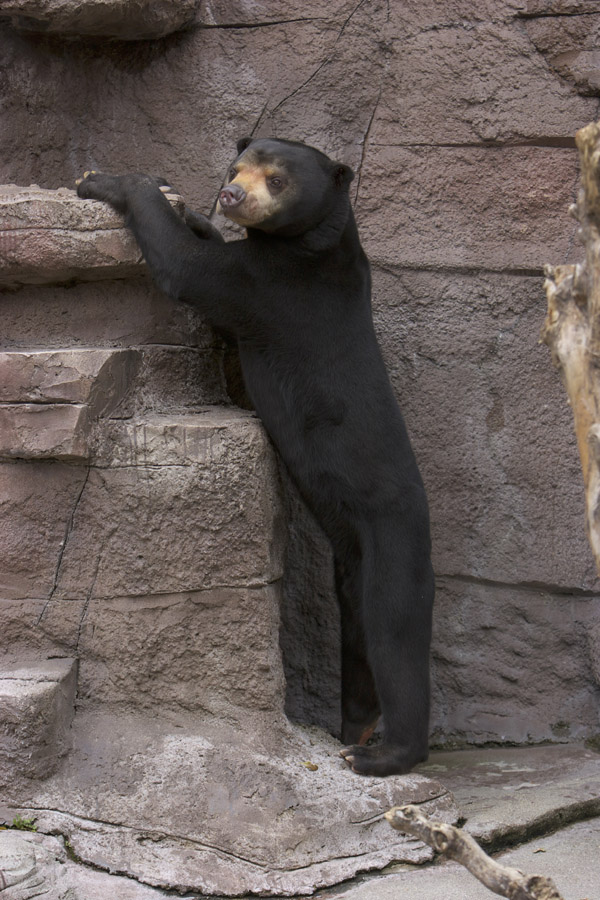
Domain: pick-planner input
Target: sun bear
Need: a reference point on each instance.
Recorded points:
(296, 295)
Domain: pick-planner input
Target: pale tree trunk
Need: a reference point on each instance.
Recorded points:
(572, 327)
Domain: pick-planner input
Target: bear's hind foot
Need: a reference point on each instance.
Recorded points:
(382, 759)
(359, 732)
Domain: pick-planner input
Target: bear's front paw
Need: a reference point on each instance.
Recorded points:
(97, 186)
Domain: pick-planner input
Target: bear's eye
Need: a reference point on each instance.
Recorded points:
(275, 182)
(232, 174)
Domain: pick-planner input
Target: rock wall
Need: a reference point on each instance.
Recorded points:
(458, 119)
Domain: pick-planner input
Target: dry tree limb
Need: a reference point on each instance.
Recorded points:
(572, 327)
(459, 845)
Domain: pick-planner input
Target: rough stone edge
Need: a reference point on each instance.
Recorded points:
(54, 237)
(131, 20)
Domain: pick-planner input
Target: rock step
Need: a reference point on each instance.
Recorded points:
(49, 237)
(123, 19)
(37, 701)
(163, 563)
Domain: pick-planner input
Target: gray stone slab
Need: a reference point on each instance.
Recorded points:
(508, 666)
(433, 226)
(37, 502)
(44, 431)
(507, 794)
(213, 650)
(37, 865)
(73, 375)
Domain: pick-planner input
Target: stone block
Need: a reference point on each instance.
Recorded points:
(467, 207)
(122, 19)
(512, 665)
(176, 504)
(569, 44)
(53, 236)
(37, 700)
(176, 379)
(536, 8)
(38, 500)
(18, 630)
(207, 651)
(44, 431)
(55, 397)
(35, 864)
(99, 377)
(19, 867)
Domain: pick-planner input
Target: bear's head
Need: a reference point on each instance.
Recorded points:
(283, 187)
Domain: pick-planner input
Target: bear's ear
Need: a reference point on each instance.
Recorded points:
(243, 143)
(342, 175)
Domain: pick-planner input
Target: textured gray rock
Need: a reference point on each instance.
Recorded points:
(32, 431)
(505, 667)
(101, 314)
(37, 699)
(53, 236)
(37, 865)
(488, 215)
(37, 502)
(209, 651)
(509, 794)
(200, 804)
(54, 399)
(569, 43)
(20, 875)
(163, 512)
(126, 20)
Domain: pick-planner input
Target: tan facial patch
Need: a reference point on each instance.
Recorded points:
(260, 203)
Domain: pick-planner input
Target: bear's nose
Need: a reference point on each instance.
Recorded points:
(231, 195)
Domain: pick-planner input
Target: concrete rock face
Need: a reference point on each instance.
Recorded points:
(143, 516)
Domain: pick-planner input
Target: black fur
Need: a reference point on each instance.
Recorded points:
(296, 295)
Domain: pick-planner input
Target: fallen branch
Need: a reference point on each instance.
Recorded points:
(458, 845)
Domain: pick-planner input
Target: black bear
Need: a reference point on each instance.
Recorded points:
(296, 295)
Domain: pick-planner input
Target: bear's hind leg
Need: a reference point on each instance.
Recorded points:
(397, 609)
(360, 705)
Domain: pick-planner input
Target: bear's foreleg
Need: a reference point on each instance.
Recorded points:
(205, 273)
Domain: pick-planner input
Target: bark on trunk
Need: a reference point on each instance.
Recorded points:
(572, 327)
